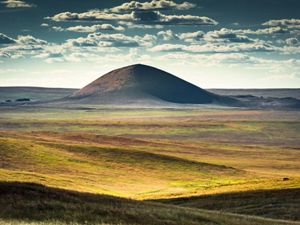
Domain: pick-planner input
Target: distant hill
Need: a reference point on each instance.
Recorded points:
(142, 85)
(33, 93)
(272, 92)
(146, 85)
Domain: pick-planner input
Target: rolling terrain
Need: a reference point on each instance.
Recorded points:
(33, 93)
(152, 154)
(273, 93)
(20, 201)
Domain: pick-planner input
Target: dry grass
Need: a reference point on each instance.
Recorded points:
(24, 203)
(152, 153)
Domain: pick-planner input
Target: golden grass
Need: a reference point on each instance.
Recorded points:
(151, 153)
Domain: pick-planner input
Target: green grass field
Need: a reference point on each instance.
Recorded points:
(150, 154)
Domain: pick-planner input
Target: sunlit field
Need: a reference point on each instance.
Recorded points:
(178, 152)
(153, 154)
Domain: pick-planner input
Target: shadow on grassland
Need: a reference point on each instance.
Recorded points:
(22, 203)
(277, 204)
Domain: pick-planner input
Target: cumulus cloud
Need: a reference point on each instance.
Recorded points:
(152, 5)
(132, 25)
(290, 23)
(159, 18)
(112, 40)
(44, 25)
(211, 59)
(226, 35)
(17, 4)
(52, 54)
(270, 30)
(229, 35)
(92, 15)
(4, 40)
(20, 47)
(90, 29)
(186, 37)
(191, 36)
(215, 48)
(167, 35)
(143, 17)
(292, 41)
(57, 28)
(139, 13)
(30, 40)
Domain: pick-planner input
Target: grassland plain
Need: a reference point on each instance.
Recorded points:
(155, 153)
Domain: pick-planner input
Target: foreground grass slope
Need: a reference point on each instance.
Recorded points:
(25, 203)
(278, 204)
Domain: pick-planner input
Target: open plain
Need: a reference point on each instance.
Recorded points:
(167, 155)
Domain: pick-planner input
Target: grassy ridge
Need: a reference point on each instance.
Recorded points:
(36, 204)
(114, 171)
(278, 204)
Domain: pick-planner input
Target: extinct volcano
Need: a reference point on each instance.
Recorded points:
(142, 84)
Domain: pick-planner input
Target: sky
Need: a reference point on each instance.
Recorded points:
(211, 43)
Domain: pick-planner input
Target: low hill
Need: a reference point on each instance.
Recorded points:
(266, 93)
(143, 84)
(277, 204)
(33, 93)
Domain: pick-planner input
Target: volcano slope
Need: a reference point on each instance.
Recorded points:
(144, 85)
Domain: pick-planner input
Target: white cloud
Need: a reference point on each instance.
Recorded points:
(92, 15)
(158, 17)
(17, 4)
(112, 40)
(167, 35)
(4, 40)
(214, 47)
(30, 40)
(23, 45)
(226, 35)
(90, 29)
(292, 41)
(283, 22)
(141, 17)
(57, 28)
(132, 25)
(191, 36)
(153, 5)
(186, 37)
(270, 30)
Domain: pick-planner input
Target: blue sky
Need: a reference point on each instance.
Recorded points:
(211, 43)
